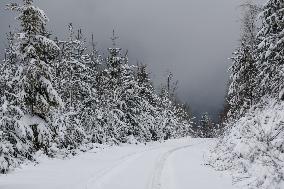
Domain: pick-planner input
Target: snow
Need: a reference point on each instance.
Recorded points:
(186, 169)
(253, 148)
(175, 164)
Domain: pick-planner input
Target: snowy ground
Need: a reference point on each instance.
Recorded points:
(175, 164)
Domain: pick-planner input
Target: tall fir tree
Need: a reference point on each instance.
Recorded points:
(29, 96)
(114, 86)
(75, 77)
(243, 73)
(271, 49)
(150, 109)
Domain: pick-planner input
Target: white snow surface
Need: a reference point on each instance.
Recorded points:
(175, 164)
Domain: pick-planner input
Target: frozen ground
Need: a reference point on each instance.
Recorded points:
(175, 164)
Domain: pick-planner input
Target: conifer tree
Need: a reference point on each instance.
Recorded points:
(76, 71)
(271, 49)
(29, 96)
(115, 85)
(36, 53)
(206, 125)
(149, 104)
(243, 72)
(241, 90)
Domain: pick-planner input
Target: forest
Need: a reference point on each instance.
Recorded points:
(61, 97)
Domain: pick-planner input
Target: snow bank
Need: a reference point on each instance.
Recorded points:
(253, 149)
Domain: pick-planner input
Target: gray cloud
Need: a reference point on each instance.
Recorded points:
(192, 38)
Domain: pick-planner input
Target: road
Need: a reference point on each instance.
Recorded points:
(175, 164)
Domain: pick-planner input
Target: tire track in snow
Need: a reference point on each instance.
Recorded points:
(155, 182)
(95, 181)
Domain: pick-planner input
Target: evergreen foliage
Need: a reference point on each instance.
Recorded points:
(206, 126)
(28, 97)
(271, 49)
(60, 96)
(252, 145)
(243, 72)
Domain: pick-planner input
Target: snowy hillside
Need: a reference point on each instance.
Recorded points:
(253, 148)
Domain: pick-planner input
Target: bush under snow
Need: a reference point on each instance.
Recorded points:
(253, 147)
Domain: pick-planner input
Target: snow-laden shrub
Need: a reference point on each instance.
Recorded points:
(253, 148)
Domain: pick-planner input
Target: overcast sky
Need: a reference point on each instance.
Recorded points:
(192, 38)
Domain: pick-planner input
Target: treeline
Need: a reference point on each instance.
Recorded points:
(253, 143)
(61, 95)
(257, 69)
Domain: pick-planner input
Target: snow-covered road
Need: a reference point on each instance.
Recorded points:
(175, 164)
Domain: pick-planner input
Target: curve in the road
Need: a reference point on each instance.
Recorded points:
(155, 182)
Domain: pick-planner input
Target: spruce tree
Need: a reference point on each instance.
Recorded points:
(149, 105)
(206, 125)
(271, 49)
(243, 72)
(241, 90)
(29, 97)
(76, 72)
(114, 87)
(36, 53)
